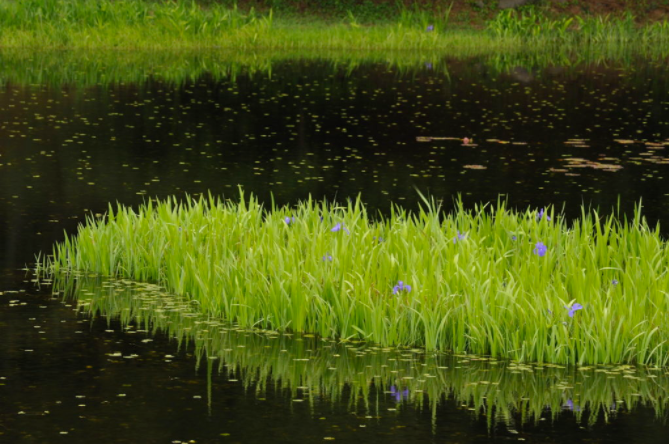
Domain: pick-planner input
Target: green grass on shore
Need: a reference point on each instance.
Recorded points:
(184, 24)
(490, 281)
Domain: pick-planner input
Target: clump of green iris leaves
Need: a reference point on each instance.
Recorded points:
(488, 281)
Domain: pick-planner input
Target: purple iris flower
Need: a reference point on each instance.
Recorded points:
(428, 65)
(574, 308)
(513, 238)
(380, 239)
(401, 286)
(430, 28)
(327, 257)
(540, 249)
(399, 394)
(460, 236)
(541, 214)
(289, 220)
(339, 227)
(615, 282)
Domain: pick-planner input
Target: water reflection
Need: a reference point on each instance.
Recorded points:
(74, 139)
(86, 68)
(375, 379)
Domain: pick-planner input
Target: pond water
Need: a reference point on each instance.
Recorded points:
(117, 362)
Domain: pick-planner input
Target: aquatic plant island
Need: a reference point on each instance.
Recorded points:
(525, 285)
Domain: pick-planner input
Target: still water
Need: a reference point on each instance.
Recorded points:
(92, 359)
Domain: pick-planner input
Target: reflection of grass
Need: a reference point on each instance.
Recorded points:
(186, 24)
(89, 68)
(312, 369)
(480, 282)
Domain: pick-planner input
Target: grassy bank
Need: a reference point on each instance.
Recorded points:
(186, 24)
(491, 281)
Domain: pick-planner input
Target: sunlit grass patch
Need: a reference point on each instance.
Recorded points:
(491, 281)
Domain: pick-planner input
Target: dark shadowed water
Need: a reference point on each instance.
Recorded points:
(100, 366)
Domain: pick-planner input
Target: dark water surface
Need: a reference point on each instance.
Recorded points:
(562, 135)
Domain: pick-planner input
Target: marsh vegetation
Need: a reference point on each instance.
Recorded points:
(131, 24)
(528, 285)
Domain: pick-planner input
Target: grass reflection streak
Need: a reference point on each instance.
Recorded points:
(371, 379)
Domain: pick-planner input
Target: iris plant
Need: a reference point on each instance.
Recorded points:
(574, 308)
(401, 286)
(339, 227)
(460, 236)
(541, 214)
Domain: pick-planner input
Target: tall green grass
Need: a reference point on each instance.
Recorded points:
(189, 24)
(531, 25)
(477, 282)
(368, 378)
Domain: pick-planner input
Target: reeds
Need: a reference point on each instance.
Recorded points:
(480, 281)
(187, 24)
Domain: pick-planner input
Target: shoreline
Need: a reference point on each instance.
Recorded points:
(134, 24)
